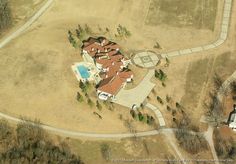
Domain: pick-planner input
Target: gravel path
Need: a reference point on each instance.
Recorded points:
(27, 24)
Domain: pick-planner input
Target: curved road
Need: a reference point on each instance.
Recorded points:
(75, 134)
(218, 42)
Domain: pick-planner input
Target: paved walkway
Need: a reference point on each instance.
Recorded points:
(138, 94)
(26, 25)
(158, 114)
(218, 42)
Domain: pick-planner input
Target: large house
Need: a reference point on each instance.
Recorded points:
(232, 119)
(112, 65)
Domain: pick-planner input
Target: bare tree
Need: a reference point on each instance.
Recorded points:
(214, 111)
(5, 15)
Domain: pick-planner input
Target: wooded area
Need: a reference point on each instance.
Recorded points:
(5, 15)
(29, 143)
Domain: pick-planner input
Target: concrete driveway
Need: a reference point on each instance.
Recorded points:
(138, 94)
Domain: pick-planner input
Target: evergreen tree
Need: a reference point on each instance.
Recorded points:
(90, 102)
(79, 97)
(98, 105)
(82, 86)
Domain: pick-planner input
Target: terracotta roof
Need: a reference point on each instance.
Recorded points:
(113, 69)
(107, 54)
(112, 46)
(125, 74)
(111, 85)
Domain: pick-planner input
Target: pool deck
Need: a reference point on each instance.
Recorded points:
(93, 71)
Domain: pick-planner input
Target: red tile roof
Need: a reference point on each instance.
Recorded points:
(125, 74)
(111, 85)
(107, 54)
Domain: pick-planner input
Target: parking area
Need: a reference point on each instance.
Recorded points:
(137, 95)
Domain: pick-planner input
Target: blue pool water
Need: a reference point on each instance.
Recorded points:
(83, 71)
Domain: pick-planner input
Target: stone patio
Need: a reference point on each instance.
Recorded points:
(146, 59)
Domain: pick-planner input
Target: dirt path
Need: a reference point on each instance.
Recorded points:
(209, 133)
(26, 25)
(209, 137)
(170, 138)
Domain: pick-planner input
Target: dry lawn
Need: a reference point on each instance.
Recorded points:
(36, 78)
(21, 10)
(199, 14)
(141, 148)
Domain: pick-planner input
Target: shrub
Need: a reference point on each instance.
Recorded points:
(178, 105)
(123, 32)
(192, 143)
(163, 84)
(168, 108)
(173, 112)
(90, 102)
(79, 97)
(133, 113)
(154, 91)
(167, 62)
(98, 105)
(72, 40)
(168, 98)
(150, 120)
(83, 86)
(145, 118)
(105, 151)
(160, 75)
(87, 29)
(140, 116)
(160, 100)
(157, 45)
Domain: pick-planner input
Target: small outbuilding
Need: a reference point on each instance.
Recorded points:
(232, 119)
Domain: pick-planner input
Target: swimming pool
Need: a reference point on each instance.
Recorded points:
(84, 72)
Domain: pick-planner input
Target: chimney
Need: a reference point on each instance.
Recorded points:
(113, 63)
(117, 73)
(106, 76)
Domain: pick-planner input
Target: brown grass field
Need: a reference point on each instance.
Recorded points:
(37, 81)
(21, 10)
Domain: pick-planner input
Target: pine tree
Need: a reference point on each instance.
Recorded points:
(90, 102)
(98, 105)
(79, 97)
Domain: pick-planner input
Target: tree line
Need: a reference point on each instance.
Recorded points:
(29, 143)
(5, 15)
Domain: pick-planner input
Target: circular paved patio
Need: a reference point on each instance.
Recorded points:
(146, 59)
